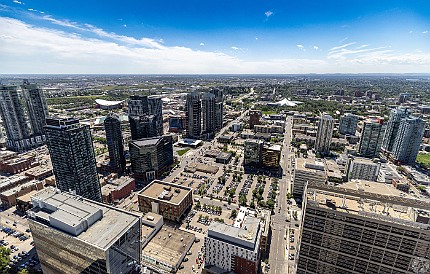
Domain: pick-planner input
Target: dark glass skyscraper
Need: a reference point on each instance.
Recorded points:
(36, 107)
(145, 116)
(115, 143)
(72, 155)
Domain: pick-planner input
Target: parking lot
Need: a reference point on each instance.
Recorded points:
(16, 235)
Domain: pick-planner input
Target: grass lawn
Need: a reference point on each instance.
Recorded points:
(424, 159)
(183, 151)
(268, 112)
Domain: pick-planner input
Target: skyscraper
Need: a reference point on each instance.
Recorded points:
(348, 124)
(324, 134)
(20, 112)
(396, 115)
(193, 109)
(115, 143)
(155, 106)
(145, 116)
(72, 155)
(150, 157)
(371, 137)
(208, 113)
(350, 231)
(408, 140)
(36, 107)
(219, 107)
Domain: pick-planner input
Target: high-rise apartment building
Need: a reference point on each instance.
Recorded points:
(348, 124)
(193, 109)
(208, 113)
(324, 134)
(145, 116)
(372, 136)
(75, 235)
(115, 143)
(408, 140)
(150, 157)
(219, 107)
(23, 113)
(349, 231)
(36, 107)
(396, 115)
(234, 248)
(72, 155)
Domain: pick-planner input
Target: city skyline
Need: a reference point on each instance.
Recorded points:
(215, 38)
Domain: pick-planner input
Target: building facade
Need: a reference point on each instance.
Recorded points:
(254, 118)
(115, 143)
(145, 116)
(271, 156)
(19, 112)
(72, 155)
(232, 248)
(307, 171)
(371, 139)
(150, 157)
(396, 115)
(346, 231)
(252, 152)
(348, 124)
(408, 140)
(193, 109)
(364, 169)
(208, 113)
(324, 134)
(74, 235)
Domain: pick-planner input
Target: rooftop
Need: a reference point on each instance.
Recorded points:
(166, 192)
(105, 224)
(146, 141)
(245, 236)
(373, 200)
(168, 245)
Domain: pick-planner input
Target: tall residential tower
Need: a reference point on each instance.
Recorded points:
(324, 134)
(115, 143)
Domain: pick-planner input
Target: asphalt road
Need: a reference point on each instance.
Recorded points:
(278, 259)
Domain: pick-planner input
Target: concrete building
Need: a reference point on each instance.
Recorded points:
(252, 152)
(233, 248)
(9, 197)
(348, 124)
(364, 169)
(36, 107)
(236, 126)
(115, 143)
(72, 155)
(176, 123)
(345, 230)
(265, 217)
(193, 109)
(208, 114)
(307, 171)
(268, 129)
(166, 199)
(75, 235)
(18, 164)
(150, 157)
(324, 134)
(145, 116)
(254, 118)
(408, 140)
(19, 120)
(371, 137)
(396, 115)
(270, 156)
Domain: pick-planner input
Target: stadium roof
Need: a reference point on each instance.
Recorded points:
(108, 103)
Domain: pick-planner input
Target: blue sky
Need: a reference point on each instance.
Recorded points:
(263, 36)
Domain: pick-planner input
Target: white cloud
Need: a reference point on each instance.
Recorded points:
(18, 2)
(316, 48)
(268, 13)
(425, 32)
(30, 49)
(343, 46)
(235, 48)
(300, 46)
(256, 38)
(202, 44)
(125, 25)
